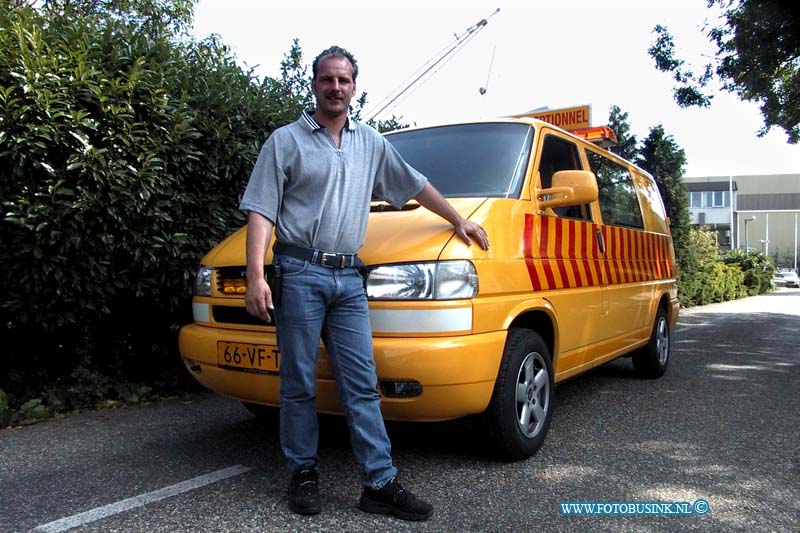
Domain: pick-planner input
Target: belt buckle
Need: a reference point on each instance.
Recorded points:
(332, 260)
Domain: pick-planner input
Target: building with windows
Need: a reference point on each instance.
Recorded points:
(711, 204)
(759, 212)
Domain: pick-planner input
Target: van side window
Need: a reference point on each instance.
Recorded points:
(652, 206)
(619, 204)
(561, 154)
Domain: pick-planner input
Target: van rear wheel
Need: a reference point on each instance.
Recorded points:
(519, 414)
(651, 360)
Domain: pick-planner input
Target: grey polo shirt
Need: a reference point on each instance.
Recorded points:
(318, 194)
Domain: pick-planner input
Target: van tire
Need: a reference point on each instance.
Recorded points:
(651, 360)
(519, 413)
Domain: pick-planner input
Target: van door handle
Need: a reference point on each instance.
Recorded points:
(600, 242)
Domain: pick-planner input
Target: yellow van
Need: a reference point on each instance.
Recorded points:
(580, 272)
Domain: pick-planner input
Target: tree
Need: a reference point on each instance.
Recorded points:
(295, 81)
(757, 58)
(664, 159)
(156, 18)
(702, 277)
(626, 142)
(390, 124)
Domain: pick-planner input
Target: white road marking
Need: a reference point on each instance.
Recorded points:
(80, 519)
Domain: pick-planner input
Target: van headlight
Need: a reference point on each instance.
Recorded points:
(439, 280)
(202, 281)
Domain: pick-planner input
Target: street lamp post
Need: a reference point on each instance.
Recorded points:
(746, 243)
(795, 242)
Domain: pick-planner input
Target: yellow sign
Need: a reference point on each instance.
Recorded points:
(569, 118)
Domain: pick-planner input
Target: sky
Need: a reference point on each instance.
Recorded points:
(531, 54)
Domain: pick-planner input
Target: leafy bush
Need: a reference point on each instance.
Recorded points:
(705, 279)
(726, 282)
(758, 269)
(123, 147)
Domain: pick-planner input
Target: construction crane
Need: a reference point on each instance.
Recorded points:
(427, 69)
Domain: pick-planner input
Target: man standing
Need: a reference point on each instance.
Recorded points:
(313, 182)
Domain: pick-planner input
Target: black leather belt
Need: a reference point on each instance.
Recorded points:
(318, 257)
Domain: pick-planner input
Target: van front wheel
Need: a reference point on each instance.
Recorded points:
(651, 360)
(522, 403)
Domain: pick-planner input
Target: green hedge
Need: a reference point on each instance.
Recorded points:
(716, 282)
(757, 267)
(124, 145)
(707, 278)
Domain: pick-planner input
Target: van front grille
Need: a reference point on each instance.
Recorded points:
(235, 315)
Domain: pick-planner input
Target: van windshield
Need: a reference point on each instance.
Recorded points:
(467, 160)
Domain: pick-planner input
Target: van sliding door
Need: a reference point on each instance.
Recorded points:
(627, 248)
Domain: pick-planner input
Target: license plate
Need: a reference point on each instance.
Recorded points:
(258, 358)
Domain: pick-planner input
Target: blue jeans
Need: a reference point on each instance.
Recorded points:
(327, 303)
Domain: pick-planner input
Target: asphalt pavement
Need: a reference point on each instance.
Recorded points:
(720, 426)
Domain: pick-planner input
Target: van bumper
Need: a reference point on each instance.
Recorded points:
(457, 373)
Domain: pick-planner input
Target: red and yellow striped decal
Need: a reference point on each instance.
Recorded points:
(563, 253)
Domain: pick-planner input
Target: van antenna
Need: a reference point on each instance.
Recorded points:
(437, 58)
(485, 88)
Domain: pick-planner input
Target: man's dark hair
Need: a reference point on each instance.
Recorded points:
(335, 51)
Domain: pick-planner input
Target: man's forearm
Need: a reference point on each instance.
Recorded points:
(259, 230)
(466, 230)
(432, 200)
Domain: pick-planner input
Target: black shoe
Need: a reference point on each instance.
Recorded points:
(304, 492)
(393, 499)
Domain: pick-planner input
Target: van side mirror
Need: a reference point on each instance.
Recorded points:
(569, 187)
